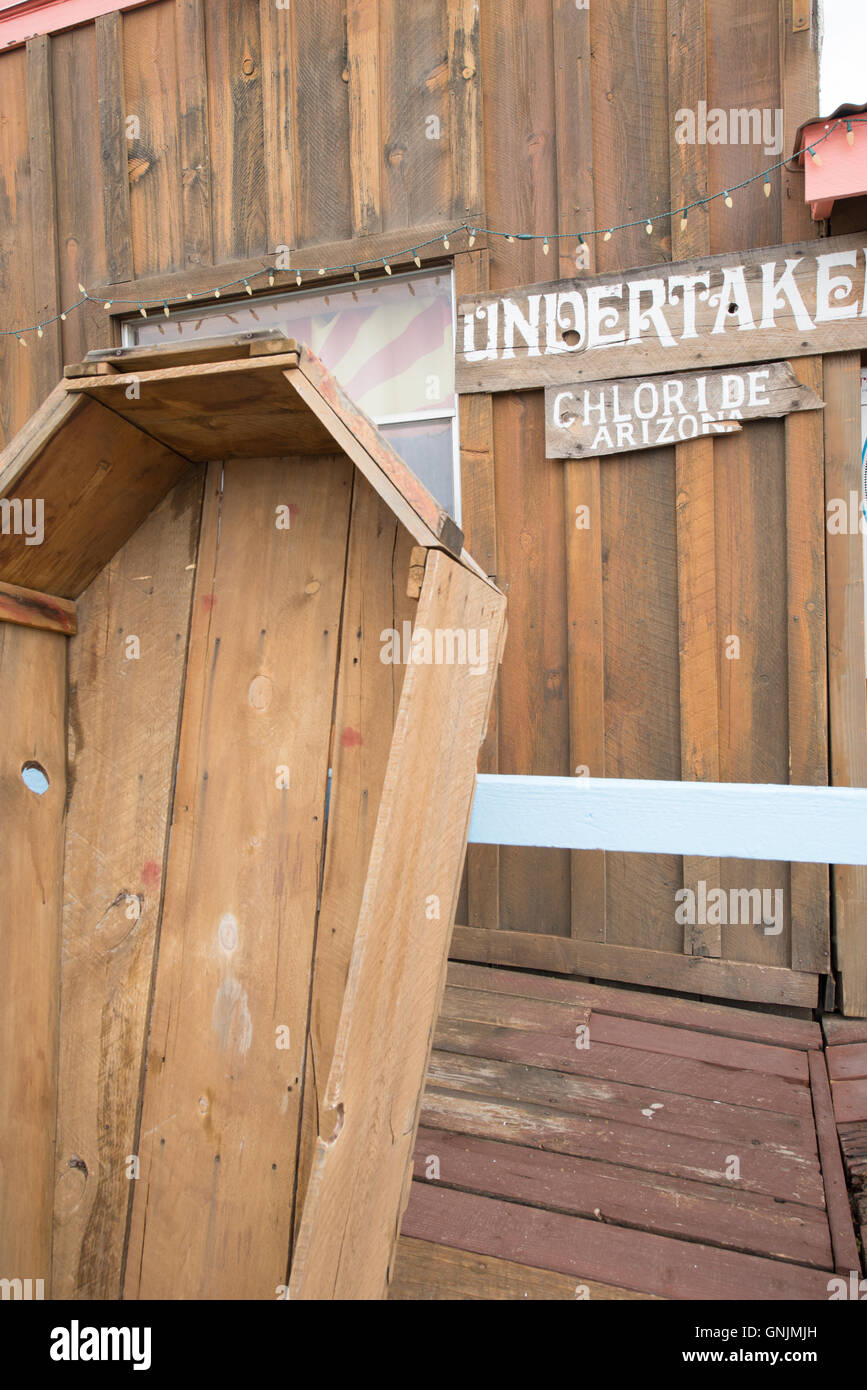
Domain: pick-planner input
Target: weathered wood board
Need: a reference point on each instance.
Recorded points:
(32, 698)
(126, 671)
(212, 1212)
(30, 608)
(361, 1171)
(591, 419)
(786, 301)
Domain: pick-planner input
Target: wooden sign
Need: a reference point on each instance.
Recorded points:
(591, 419)
(778, 302)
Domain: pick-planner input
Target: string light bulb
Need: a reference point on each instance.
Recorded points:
(166, 307)
(472, 232)
(39, 332)
(21, 342)
(321, 270)
(850, 134)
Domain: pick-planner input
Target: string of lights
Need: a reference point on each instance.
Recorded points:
(444, 238)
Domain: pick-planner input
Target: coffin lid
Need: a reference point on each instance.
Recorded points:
(123, 426)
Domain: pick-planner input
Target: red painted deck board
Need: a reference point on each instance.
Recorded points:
(602, 1098)
(850, 1100)
(688, 1152)
(713, 1081)
(653, 1008)
(625, 1196)
(633, 1259)
(848, 1062)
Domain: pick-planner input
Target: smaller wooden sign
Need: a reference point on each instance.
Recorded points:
(593, 418)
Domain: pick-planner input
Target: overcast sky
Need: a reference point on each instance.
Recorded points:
(843, 70)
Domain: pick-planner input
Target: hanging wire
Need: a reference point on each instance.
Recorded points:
(442, 239)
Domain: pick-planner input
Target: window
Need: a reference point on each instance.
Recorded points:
(389, 342)
(20, 20)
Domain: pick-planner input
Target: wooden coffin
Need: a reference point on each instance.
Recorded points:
(225, 917)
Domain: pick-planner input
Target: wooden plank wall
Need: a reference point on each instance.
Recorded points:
(33, 700)
(315, 127)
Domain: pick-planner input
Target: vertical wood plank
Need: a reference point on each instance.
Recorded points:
(43, 205)
(465, 109)
(479, 522)
(81, 231)
(576, 208)
(363, 1166)
(279, 108)
(520, 191)
(323, 198)
(155, 182)
(698, 648)
(365, 122)
(807, 658)
(846, 665)
(586, 675)
(193, 136)
(799, 75)
(18, 250)
(113, 148)
(366, 702)
(573, 106)
(743, 48)
(33, 699)
(124, 712)
(238, 188)
(212, 1211)
(632, 177)
(415, 108)
(750, 476)
(696, 522)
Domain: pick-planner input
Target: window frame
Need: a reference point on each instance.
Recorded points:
(182, 310)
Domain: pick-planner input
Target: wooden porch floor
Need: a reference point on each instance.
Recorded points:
(688, 1152)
